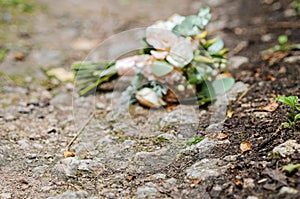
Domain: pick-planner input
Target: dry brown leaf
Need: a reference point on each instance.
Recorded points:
(19, 56)
(238, 183)
(271, 107)
(196, 181)
(275, 57)
(68, 154)
(270, 78)
(224, 75)
(245, 146)
(218, 136)
(230, 113)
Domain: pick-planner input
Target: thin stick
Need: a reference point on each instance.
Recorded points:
(274, 135)
(245, 93)
(80, 131)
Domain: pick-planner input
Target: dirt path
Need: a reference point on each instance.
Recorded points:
(39, 116)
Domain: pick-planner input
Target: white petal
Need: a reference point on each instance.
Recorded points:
(160, 38)
(159, 54)
(148, 97)
(181, 54)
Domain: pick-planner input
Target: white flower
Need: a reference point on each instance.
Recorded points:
(170, 23)
(181, 53)
(160, 39)
(159, 54)
(148, 98)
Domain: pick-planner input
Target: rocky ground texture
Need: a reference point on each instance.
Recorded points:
(144, 153)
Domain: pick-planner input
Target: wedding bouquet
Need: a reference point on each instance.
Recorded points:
(178, 59)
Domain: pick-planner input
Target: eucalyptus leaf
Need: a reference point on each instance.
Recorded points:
(216, 46)
(161, 68)
(220, 86)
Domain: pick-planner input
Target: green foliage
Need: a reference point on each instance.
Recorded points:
(190, 24)
(3, 54)
(294, 115)
(193, 141)
(19, 4)
(282, 39)
(160, 68)
(291, 168)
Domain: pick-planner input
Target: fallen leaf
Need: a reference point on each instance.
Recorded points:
(218, 136)
(68, 154)
(245, 146)
(61, 74)
(275, 174)
(196, 181)
(230, 113)
(275, 57)
(224, 75)
(271, 107)
(19, 56)
(238, 183)
(270, 78)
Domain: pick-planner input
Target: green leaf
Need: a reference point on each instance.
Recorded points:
(285, 124)
(186, 28)
(205, 16)
(290, 100)
(222, 85)
(193, 141)
(282, 39)
(161, 68)
(290, 168)
(203, 59)
(207, 91)
(217, 46)
(297, 117)
(298, 108)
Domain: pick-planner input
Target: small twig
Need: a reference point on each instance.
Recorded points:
(245, 93)
(242, 45)
(274, 135)
(79, 132)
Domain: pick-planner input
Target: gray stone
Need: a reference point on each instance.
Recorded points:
(88, 165)
(68, 166)
(63, 99)
(292, 59)
(5, 196)
(205, 169)
(158, 176)
(237, 61)
(48, 58)
(249, 183)
(71, 195)
(287, 148)
(146, 192)
(252, 197)
(167, 136)
(288, 190)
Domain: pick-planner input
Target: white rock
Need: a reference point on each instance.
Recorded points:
(287, 148)
(71, 195)
(249, 183)
(146, 192)
(204, 169)
(252, 197)
(158, 176)
(288, 190)
(5, 196)
(292, 59)
(236, 61)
